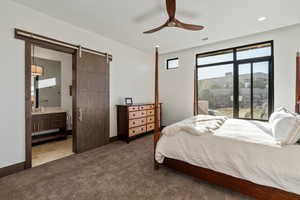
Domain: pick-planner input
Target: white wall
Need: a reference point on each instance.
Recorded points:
(177, 85)
(131, 72)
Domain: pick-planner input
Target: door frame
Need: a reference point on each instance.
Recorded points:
(28, 106)
(270, 88)
(57, 45)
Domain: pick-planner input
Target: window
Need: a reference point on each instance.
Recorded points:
(215, 89)
(236, 82)
(216, 57)
(255, 51)
(173, 63)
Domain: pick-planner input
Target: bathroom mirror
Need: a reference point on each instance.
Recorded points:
(46, 83)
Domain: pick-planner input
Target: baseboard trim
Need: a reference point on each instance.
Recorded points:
(12, 169)
(5, 171)
(113, 139)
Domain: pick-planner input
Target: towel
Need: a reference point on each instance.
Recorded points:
(198, 125)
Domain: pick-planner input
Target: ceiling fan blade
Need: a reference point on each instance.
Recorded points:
(171, 8)
(191, 27)
(156, 29)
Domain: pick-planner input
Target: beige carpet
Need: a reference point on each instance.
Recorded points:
(116, 171)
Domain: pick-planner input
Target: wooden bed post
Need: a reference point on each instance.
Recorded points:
(297, 109)
(157, 133)
(195, 92)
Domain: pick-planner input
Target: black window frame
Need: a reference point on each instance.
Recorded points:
(171, 59)
(236, 64)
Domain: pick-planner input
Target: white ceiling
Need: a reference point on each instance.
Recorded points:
(125, 20)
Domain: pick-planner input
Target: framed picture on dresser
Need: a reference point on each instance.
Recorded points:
(128, 101)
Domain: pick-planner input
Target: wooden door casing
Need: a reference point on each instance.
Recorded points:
(91, 102)
(61, 46)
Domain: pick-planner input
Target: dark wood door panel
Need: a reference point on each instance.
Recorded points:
(92, 102)
(89, 80)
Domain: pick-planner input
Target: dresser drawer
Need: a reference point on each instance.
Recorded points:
(137, 122)
(145, 107)
(143, 113)
(133, 108)
(137, 131)
(150, 127)
(134, 115)
(150, 119)
(135, 119)
(150, 112)
(152, 106)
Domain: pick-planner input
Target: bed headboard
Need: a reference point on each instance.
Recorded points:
(297, 107)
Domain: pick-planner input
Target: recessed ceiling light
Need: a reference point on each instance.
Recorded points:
(261, 19)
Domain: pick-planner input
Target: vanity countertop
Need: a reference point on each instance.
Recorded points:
(49, 111)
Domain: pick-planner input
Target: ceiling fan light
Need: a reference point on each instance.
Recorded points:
(172, 24)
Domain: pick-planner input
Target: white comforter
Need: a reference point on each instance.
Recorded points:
(240, 148)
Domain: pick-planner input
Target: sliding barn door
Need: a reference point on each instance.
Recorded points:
(91, 101)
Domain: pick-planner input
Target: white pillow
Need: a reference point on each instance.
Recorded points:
(283, 109)
(278, 115)
(286, 130)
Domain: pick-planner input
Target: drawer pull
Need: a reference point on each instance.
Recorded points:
(130, 109)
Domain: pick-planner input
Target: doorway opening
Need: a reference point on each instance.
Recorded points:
(89, 91)
(51, 99)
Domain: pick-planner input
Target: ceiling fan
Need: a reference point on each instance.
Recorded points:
(173, 22)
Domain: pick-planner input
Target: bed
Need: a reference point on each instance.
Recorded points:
(257, 169)
(256, 161)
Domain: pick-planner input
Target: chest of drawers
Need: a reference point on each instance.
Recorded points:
(136, 120)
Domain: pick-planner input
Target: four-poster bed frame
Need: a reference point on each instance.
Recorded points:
(245, 187)
(297, 108)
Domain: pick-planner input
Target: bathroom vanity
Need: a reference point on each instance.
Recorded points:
(48, 125)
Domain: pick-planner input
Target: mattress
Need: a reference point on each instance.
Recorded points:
(260, 163)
